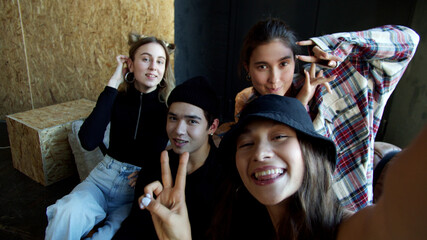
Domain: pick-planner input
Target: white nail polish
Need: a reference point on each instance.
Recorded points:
(145, 201)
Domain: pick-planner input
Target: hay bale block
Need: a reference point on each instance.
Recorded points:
(39, 140)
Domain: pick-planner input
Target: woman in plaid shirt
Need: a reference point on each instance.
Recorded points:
(345, 99)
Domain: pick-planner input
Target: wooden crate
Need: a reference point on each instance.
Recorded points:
(39, 140)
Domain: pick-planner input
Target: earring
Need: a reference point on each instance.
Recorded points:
(211, 134)
(164, 83)
(248, 77)
(132, 76)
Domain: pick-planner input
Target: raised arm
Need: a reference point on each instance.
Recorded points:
(92, 131)
(381, 54)
(401, 211)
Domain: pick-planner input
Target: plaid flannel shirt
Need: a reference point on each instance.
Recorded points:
(374, 62)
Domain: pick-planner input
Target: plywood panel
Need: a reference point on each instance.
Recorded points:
(14, 88)
(156, 18)
(39, 140)
(71, 45)
(54, 115)
(26, 153)
(58, 161)
(148, 17)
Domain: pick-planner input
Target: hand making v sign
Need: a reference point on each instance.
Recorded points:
(168, 210)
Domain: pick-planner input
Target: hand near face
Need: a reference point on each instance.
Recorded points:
(318, 55)
(312, 80)
(169, 210)
(117, 77)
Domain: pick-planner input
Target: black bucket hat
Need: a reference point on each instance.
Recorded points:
(284, 110)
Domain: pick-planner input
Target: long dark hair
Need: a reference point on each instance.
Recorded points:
(168, 81)
(264, 32)
(313, 212)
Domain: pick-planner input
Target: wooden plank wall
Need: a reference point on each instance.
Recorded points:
(56, 51)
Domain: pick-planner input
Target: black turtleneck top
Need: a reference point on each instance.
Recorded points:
(138, 125)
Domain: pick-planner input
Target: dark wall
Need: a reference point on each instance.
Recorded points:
(202, 38)
(208, 33)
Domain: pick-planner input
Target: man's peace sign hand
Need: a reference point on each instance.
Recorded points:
(168, 210)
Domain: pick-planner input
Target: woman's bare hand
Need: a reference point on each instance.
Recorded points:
(319, 55)
(312, 80)
(117, 77)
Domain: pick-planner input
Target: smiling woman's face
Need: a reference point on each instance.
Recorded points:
(269, 161)
(271, 68)
(148, 66)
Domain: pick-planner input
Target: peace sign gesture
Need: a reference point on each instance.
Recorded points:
(168, 210)
(319, 55)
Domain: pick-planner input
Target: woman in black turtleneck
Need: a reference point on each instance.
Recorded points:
(137, 135)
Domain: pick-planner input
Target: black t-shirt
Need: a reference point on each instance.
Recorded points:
(200, 194)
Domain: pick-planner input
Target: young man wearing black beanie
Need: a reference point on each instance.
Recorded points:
(191, 122)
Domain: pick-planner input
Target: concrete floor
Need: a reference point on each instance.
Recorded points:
(23, 201)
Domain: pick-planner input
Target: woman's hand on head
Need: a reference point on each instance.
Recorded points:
(117, 77)
(168, 210)
(319, 56)
(312, 80)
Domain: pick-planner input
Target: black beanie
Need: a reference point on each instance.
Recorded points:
(196, 91)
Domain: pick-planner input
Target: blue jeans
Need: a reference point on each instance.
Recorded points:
(105, 193)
